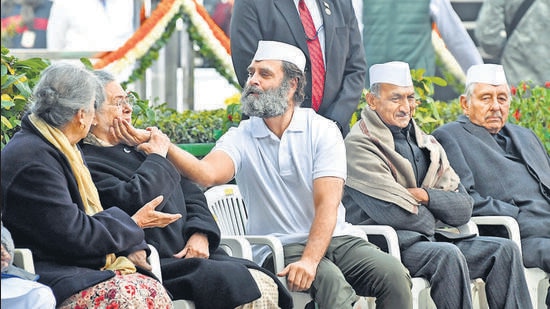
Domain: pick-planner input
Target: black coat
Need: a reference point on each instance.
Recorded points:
(130, 179)
(42, 208)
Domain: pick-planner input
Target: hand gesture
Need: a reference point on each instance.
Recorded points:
(159, 143)
(125, 133)
(147, 216)
(299, 275)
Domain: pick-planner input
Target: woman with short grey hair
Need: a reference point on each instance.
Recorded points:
(88, 256)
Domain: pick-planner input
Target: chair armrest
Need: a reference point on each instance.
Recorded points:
(23, 259)
(389, 234)
(154, 261)
(469, 228)
(276, 249)
(236, 246)
(509, 223)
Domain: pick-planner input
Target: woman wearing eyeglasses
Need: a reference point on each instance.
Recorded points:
(90, 255)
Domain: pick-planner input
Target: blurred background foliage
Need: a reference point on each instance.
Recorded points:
(530, 106)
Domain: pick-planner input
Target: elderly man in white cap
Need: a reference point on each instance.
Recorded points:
(504, 167)
(289, 164)
(400, 176)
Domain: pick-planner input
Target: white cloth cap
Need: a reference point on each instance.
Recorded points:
(273, 50)
(394, 72)
(492, 74)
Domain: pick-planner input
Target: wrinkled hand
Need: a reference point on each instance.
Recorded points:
(159, 143)
(125, 133)
(139, 258)
(6, 258)
(196, 247)
(299, 275)
(147, 216)
(420, 195)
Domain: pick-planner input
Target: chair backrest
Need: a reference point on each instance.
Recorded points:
(227, 206)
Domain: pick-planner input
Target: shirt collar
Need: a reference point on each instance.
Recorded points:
(297, 124)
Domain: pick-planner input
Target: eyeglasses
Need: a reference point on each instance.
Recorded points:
(119, 101)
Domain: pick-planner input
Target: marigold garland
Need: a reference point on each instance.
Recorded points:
(152, 36)
(160, 13)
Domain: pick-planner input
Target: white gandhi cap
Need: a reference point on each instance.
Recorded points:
(272, 50)
(492, 74)
(394, 72)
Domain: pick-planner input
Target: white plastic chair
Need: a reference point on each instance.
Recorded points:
(421, 287)
(537, 279)
(227, 206)
(22, 258)
(234, 245)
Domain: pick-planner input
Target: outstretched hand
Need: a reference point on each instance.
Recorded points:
(159, 143)
(147, 216)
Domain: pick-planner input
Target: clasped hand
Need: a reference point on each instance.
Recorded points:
(150, 140)
(196, 247)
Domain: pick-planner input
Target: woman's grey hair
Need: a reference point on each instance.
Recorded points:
(105, 78)
(292, 71)
(63, 89)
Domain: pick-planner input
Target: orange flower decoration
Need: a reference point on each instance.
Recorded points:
(145, 28)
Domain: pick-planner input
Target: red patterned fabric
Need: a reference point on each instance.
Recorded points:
(315, 56)
(121, 291)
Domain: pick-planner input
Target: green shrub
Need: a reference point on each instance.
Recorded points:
(530, 107)
(18, 79)
(182, 127)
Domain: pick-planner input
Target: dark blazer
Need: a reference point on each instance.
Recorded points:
(486, 173)
(278, 20)
(42, 208)
(129, 178)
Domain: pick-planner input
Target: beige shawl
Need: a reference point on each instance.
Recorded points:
(376, 169)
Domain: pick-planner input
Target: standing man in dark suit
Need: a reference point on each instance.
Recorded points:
(503, 166)
(400, 176)
(336, 30)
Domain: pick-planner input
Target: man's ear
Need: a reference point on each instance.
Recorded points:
(371, 100)
(464, 104)
(294, 83)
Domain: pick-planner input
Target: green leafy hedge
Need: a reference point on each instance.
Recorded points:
(182, 128)
(18, 79)
(530, 107)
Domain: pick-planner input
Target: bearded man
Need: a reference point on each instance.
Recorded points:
(290, 166)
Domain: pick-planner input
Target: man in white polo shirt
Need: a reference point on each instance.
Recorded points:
(290, 166)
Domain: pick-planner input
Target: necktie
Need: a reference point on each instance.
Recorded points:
(315, 56)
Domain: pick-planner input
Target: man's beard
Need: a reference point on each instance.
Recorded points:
(265, 104)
